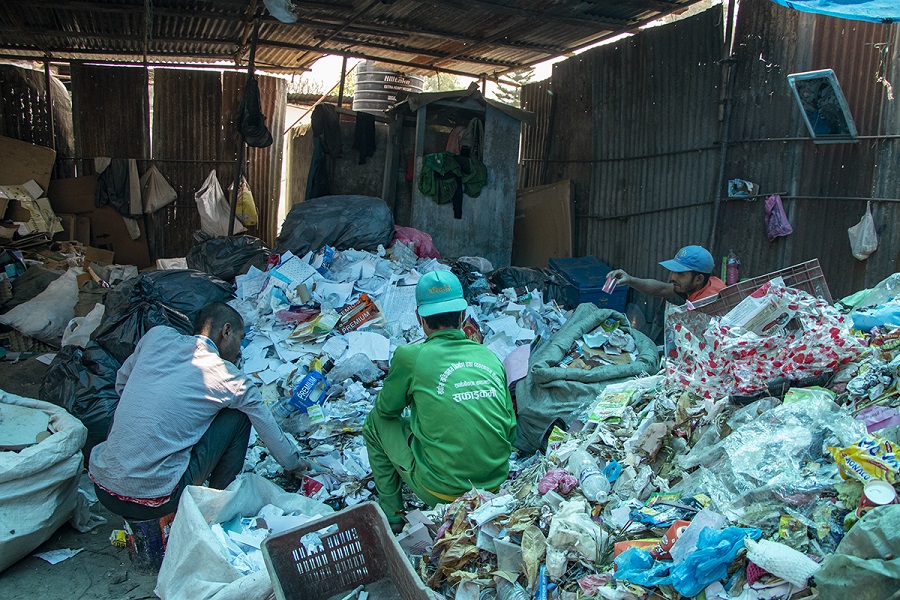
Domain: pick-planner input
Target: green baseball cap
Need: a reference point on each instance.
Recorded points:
(439, 292)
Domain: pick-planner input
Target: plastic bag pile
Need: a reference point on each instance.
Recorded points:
(708, 491)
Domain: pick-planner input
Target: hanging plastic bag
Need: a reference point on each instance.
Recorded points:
(246, 207)
(777, 224)
(214, 208)
(155, 190)
(863, 239)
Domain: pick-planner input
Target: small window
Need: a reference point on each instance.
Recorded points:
(823, 106)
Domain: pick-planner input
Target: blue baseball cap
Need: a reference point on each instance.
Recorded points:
(439, 292)
(691, 258)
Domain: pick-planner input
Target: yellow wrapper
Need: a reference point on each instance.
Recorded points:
(872, 457)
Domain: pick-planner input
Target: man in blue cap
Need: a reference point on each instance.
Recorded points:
(461, 423)
(690, 276)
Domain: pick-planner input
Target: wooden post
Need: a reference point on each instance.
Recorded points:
(343, 77)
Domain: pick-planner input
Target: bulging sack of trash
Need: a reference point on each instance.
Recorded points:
(342, 222)
(38, 484)
(83, 381)
(172, 297)
(45, 316)
(229, 256)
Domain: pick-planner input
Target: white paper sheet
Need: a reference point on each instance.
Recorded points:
(57, 556)
(373, 345)
(399, 305)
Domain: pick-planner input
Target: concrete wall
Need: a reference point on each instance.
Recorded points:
(487, 221)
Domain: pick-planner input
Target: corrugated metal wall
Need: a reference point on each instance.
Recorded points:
(638, 128)
(110, 112)
(539, 99)
(771, 42)
(193, 133)
(25, 109)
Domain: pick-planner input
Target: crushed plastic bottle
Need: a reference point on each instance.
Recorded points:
(594, 484)
(510, 591)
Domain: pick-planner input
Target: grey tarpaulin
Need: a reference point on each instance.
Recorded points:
(549, 391)
(865, 565)
(343, 222)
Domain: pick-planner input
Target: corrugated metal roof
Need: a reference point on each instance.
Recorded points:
(469, 37)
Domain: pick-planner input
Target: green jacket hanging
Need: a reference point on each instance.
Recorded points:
(443, 172)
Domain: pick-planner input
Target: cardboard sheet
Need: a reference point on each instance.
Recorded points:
(543, 224)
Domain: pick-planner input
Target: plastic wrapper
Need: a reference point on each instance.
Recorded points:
(558, 480)
(716, 550)
(360, 222)
(871, 458)
(805, 338)
(776, 459)
(228, 257)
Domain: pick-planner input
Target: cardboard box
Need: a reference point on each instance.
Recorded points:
(107, 229)
(76, 228)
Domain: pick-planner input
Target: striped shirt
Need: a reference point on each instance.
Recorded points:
(171, 389)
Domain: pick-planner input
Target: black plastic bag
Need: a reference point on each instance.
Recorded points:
(83, 381)
(228, 257)
(251, 122)
(548, 283)
(170, 297)
(342, 222)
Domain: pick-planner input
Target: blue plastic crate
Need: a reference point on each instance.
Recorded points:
(585, 276)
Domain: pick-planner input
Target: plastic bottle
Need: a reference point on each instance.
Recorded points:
(593, 482)
(510, 591)
(732, 269)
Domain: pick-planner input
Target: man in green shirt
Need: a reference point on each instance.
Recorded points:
(461, 424)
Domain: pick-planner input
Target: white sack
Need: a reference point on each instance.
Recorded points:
(156, 190)
(45, 316)
(39, 484)
(195, 565)
(214, 208)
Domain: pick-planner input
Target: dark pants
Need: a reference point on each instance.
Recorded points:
(217, 457)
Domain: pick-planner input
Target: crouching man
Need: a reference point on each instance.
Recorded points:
(461, 424)
(183, 419)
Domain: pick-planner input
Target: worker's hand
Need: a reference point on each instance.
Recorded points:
(298, 473)
(620, 275)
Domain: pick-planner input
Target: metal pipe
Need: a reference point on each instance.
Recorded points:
(239, 166)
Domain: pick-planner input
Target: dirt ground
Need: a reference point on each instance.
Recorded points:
(101, 570)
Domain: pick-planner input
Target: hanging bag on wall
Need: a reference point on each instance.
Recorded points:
(777, 224)
(251, 122)
(246, 208)
(214, 208)
(155, 190)
(863, 239)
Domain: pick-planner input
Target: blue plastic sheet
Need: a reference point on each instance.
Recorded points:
(876, 11)
(707, 564)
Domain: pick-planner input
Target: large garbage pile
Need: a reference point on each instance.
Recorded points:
(757, 461)
(727, 475)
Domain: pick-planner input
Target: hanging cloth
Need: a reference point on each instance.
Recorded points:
(251, 122)
(364, 136)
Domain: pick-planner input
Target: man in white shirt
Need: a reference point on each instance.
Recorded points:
(183, 419)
